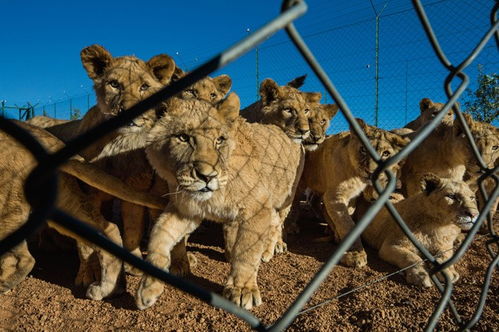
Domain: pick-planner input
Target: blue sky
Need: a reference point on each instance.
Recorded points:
(41, 41)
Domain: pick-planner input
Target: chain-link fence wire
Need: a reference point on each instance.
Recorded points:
(346, 47)
(44, 174)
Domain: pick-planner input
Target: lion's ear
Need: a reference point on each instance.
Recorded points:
(331, 110)
(229, 107)
(399, 140)
(425, 104)
(362, 125)
(312, 97)
(269, 91)
(223, 83)
(297, 82)
(458, 127)
(178, 74)
(95, 59)
(430, 182)
(162, 67)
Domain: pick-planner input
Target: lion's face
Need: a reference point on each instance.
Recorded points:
(288, 108)
(209, 89)
(121, 82)
(429, 110)
(319, 119)
(384, 142)
(487, 141)
(452, 199)
(193, 142)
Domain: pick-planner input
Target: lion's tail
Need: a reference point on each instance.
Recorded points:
(107, 183)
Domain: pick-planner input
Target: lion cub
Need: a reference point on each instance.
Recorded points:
(340, 170)
(226, 170)
(435, 216)
(284, 106)
(429, 110)
(446, 152)
(17, 162)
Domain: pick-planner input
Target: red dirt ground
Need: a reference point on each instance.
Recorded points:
(48, 300)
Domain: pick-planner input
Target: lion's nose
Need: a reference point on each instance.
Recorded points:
(204, 171)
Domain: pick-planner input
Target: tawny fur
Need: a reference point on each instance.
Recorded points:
(125, 158)
(284, 106)
(446, 152)
(429, 110)
(226, 170)
(435, 216)
(17, 162)
(340, 170)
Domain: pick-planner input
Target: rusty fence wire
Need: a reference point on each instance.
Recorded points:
(41, 186)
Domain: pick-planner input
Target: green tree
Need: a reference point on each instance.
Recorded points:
(75, 114)
(483, 103)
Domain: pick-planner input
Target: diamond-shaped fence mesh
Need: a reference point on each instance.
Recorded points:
(438, 71)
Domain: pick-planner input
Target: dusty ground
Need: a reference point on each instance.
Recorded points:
(48, 301)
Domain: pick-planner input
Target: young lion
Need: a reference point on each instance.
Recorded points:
(435, 216)
(119, 83)
(446, 152)
(320, 117)
(226, 170)
(125, 158)
(284, 106)
(17, 163)
(429, 110)
(345, 169)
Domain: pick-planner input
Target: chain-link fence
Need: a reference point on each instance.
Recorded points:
(454, 80)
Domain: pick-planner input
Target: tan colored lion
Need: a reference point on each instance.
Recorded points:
(435, 216)
(226, 170)
(17, 162)
(318, 121)
(340, 170)
(446, 152)
(124, 157)
(119, 83)
(429, 110)
(284, 106)
(43, 121)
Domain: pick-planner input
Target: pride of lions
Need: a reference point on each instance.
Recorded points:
(197, 156)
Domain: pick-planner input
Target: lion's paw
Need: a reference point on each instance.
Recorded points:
(267, 255)
(454, 275)
(87, 274)
(419, 277)
(280, 247)
(148, 293)
(355, 258)
(245, 297)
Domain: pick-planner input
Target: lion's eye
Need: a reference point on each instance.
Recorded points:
(307, 111)
(144, 87)
(451, 196)
(363, 149)
(287, 110)
(472, 198)
(213, 95)
(220, 140)
(386, 153)
(323, 121)
(183, 137)
(495, 147)
(114, 84)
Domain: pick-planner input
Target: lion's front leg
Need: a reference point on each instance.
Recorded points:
(451, 270)
(133, 217)
(241, 286)
(169, 229)
(340, 221)
(403, 257)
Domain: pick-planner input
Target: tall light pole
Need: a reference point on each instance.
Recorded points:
(257, 69)
(376, 66)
